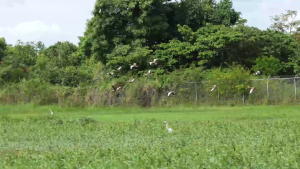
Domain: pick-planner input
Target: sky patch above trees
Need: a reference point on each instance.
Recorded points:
(70, 17)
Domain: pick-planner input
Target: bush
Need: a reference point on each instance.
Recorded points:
(269, 66)
(74, 76)
(232, 82)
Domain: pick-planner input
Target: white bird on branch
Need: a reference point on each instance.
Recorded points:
(119, 68)
(169, 129)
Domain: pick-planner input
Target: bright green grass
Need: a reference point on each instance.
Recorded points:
(203, 137)
(170, 114)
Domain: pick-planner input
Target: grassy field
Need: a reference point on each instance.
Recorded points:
(203, 137)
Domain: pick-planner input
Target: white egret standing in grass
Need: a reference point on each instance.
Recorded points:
(169, 129)
(51, 113)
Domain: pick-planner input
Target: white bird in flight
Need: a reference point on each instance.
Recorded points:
(171, 93)
(256, 73)
(252, 89)
(130, 81)
(149, 72)
(110, 73)
(51, 112)
(116, 89)
(214, 87)
(133, 66)
(154, 62)
(169, 129)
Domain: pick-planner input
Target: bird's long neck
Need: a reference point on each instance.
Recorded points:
(167, 126)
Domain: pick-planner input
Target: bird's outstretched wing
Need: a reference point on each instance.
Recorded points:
(114, 87)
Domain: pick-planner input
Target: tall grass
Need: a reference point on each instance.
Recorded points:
(150, 93)
(59, 142)
(233, 89)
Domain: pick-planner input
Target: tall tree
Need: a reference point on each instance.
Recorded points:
(119, 27)
(219, 44)
(2, 48)
(207, 43)
(40, 47)
(297, 35)
(18, 61)
(63, 54)
(196, 13)
(123, 22)
(22, 55)
(286, 22)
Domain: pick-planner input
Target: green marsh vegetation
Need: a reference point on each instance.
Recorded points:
(203, 137)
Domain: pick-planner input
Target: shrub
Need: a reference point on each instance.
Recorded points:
(269, 66)
(232, 82)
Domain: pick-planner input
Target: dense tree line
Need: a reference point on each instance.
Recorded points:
(189, 34)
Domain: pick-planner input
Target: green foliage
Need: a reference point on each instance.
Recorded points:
(230, 81)
(208, 43)
(22, 55)
(63, 54)
(2, 48)
(117, 25)
(74, 76)
(197, 13)
(224, 14)
(16, 64)
(125, 55)
(286, 22)
(41, 68)
(12, 75)
(294, 62)
(268, 65)
(182, 75)
(121, 23)
(219, 44)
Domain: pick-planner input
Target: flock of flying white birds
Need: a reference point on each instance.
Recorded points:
(135, 66)
(154, 62)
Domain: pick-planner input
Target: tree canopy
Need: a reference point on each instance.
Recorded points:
(182, 35)
(124, 25)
